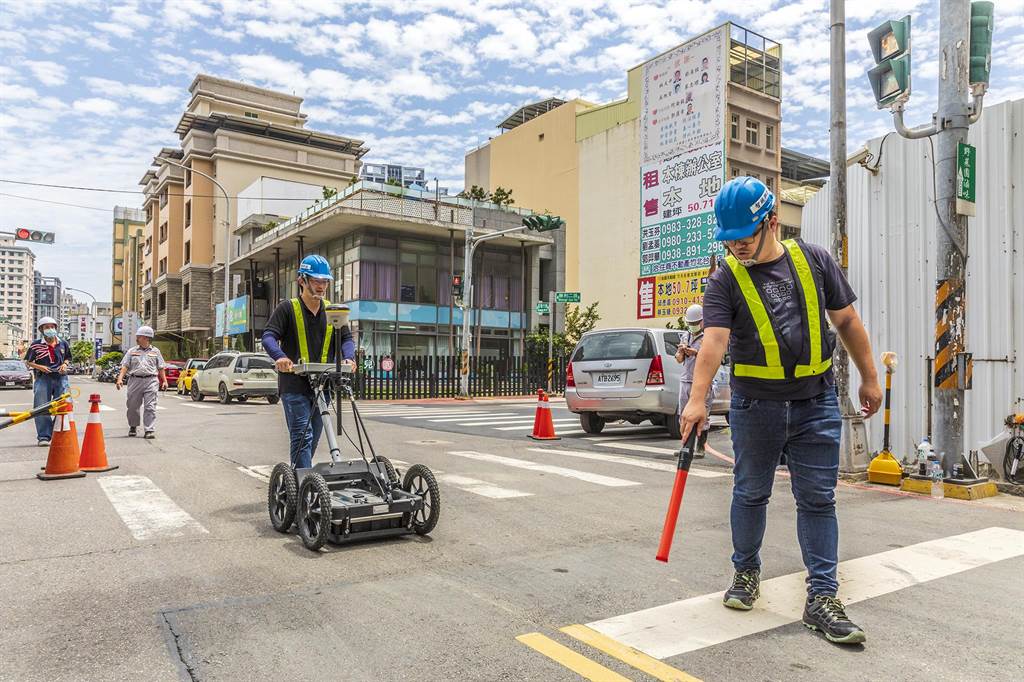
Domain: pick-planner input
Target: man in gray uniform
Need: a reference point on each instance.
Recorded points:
(145, 364)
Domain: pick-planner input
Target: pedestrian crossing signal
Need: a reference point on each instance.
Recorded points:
(456, 286)
(890, 46)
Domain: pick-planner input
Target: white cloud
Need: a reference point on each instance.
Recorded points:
(125, 21)
(96, 105)
(12, 91)
(151, 94)
(48, 73)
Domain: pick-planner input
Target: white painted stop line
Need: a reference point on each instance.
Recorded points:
(482, 488)
(147, 511)
(631, 461)
(699, 622)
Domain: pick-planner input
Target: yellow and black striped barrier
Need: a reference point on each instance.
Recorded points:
(19, 417)
(949, 337)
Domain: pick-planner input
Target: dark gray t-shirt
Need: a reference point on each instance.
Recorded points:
(724, 306)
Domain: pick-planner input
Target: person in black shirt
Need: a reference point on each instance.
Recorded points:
(771, 306)
(297, 332)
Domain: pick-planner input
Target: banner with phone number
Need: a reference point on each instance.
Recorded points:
(669, 295)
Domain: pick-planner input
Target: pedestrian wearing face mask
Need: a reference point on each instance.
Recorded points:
(49, 356)
(686, 354)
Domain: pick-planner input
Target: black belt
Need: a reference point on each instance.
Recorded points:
(142, 376)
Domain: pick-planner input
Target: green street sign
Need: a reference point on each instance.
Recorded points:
(543, 308)
(966, 164)
(567, 297)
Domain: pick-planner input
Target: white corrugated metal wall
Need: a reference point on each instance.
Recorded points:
(891, 228)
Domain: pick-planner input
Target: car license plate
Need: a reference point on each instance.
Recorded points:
(609, 378)
(8, 383)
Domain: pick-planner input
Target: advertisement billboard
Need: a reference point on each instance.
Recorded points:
(238, 316)
(682, 157)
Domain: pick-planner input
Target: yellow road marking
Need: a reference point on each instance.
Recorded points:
(629, 655)
(581, 665)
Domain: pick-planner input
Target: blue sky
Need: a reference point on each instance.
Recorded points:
(90, 90)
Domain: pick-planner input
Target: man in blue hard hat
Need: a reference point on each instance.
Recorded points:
(297, 331)
(771, 306)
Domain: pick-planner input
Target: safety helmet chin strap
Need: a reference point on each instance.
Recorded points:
(307, 287)
(760, 247)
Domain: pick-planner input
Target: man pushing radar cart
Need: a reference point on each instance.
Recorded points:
(348, 499)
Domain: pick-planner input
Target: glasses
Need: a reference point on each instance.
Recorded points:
(747, 240)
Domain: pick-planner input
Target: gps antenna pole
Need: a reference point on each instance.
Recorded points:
(682, 470)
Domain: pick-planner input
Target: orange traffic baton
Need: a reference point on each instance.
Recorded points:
(676, 501)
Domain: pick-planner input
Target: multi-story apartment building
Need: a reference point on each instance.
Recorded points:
(69, 308)
(128, 227)
(239, 135)
(47, 298)
(13, 340)
(396, 174)
(17, 284)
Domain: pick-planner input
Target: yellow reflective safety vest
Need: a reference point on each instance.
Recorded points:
(300, 330)
(813, 314)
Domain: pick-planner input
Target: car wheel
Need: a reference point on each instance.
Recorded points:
(242, 398)
(197, 396)
(672, 426)
(222, 394)
(282, 497)
(272, 399)
(314, 511)
(591, 423)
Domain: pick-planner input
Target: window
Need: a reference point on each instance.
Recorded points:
(540, 137)
(251, 114)
(161, 303)
(163, 198)
(162, 265)
(188, 177)
(147, 309)
(734, 127)
(752, 130)
(188, 213)
(188, 252)
(149, 275)
(735, 172)
(186, 291)
(769, 138)
(769, 182)
(163, 233)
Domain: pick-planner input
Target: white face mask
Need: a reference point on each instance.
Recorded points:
(694, 327)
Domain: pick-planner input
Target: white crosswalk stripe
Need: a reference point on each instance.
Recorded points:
(529, 425)
(636, 447)
(482, 488)
(198, 406)
(146, 510)
(106, 408)
(598, 479)
(470, 415)
(630, 461)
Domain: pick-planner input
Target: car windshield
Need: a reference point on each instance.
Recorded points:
(260, 363)
(624, 345)
(13, 366)
(197, 365)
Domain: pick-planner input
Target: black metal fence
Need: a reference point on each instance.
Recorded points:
(411, 377)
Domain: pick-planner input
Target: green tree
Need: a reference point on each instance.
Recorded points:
(81, 352)
(680, 323)
(111, 358)
(501, 196)
(475, 192)
(329, 191)
(579, 321)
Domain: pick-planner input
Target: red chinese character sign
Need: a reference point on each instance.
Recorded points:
(671, 294)
(682, 151)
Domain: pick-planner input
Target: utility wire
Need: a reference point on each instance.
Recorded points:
(59, 203)
(135, 191)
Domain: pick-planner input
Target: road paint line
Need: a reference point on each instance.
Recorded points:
(699, 622)
(478, 487)
(472, 415)
(608, 481)
(255, 474)
(638, 433)
(198, 406)
(160, 407)
(106, 408)
(636, 447)
(630, 461)
(146, 510)
(529, 425)
(563, 655)
(628, 655)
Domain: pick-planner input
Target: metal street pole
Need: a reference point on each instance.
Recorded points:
(92, 322)
(467, 308)
(853, 454)
(953, 119)
(551, 335)
(227, 241)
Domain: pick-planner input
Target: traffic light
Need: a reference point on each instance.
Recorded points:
(456, 286)
(981, 41)
(34, 235)
(890, 45)
(543, 223)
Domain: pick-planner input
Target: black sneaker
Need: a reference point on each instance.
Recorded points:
(131, 432)
(150, 435)
(746, 587)
(43, 442)
(826, 613)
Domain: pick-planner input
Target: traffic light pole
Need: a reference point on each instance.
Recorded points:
(467, 298)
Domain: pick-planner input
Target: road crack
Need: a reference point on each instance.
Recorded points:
(184, 666)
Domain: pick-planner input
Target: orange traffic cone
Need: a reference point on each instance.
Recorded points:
(62, 460)
(94, 448)
(543, 427)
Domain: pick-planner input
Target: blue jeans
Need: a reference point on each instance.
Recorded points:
(807, 432)
(304, 427)
(47, 388)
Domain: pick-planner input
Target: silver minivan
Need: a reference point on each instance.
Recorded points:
(631, 374)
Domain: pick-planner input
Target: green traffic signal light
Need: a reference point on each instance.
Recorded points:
(543, 223)
(890, 46)
(982, 25)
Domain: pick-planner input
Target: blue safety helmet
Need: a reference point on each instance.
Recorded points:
(741, 205)
(316, 267)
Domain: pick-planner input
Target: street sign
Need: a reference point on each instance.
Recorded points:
(387, 364)
(98, 348)
(543, 308)
(966, 162)
(567, 297)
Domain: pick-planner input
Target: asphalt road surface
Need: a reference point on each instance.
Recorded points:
(541, 568)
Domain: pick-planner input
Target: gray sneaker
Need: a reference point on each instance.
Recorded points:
(744, 591)
(43, 442)
(149, 435)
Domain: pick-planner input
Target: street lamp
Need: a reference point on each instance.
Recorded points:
(92, 325)
(227, 238)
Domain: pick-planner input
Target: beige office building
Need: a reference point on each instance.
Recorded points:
(17, 288)
(242, 136)
(128, 227)
(734, 110)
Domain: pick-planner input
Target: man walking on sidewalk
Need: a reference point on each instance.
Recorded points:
(770, 307)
